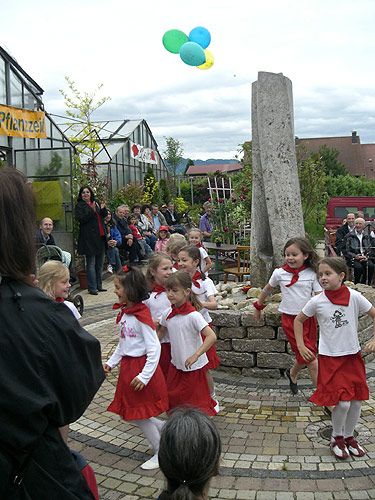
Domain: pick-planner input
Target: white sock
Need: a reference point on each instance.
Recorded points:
(339, 415)
(352, 417)
(150, 431)
(159, 423)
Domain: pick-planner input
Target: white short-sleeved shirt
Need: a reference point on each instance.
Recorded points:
(338, 324)
(157, 303)
(296, 296)
(137, 339)
(204, 256)
(73, 308)
(185, 338)
(206, 289)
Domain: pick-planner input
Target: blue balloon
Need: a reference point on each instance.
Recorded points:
(201, 36)
(192, 54)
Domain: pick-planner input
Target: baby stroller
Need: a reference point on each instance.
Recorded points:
(52, 252)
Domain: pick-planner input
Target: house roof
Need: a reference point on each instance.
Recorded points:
(207, 169)
(350, 152)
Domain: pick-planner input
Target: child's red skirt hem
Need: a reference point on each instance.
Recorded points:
(151, 401)
(165, 358)
(340, 378)
(189, 389)
(213, 358)
(309, 335)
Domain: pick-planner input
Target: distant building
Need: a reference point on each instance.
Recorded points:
(228, 168)
(359, 159)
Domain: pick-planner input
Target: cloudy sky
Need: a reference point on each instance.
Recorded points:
(326, 47)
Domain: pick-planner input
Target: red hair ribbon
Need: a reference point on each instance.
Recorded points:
(125, 269)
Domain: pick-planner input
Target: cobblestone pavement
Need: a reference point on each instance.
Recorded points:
(273, 442)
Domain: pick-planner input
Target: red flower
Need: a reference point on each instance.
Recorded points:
(220, 200)
(234, 200)
(225, 229)
(209, 199)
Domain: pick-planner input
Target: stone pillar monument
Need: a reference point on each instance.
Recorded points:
(276, 212)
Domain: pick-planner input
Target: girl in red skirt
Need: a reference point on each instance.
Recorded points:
(187, 381)
(189, 260)
(341, 374)
(158, 270)
(141, 392)
(297, 280)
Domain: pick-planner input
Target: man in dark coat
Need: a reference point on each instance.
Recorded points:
(342, 231)
(44, 234)
(359, 253)
(173, 219)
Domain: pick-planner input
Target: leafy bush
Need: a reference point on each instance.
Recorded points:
(128, 195)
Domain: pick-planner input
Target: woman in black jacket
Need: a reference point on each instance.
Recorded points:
(91, 237)
(50, 367)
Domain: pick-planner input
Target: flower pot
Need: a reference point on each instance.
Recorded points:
(218, 243)
(81, 275)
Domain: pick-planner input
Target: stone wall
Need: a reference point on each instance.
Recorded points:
(261, 349)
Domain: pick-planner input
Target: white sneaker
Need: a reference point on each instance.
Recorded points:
(110, 269)
(151, 464)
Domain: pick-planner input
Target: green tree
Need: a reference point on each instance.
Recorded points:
(189, 163)
(80, 107)
(329, 156)
(173, 154)
(164, 190)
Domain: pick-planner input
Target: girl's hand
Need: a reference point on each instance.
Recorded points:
(190, 361)
(370, 347)
(156, 322)
(306, 354)
(107, 369)
(137, 384)
(257, 315)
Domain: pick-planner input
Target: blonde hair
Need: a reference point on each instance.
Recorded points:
(196, 230)
(174, 239)
(49, 274)
(154, 262)
(181, 279)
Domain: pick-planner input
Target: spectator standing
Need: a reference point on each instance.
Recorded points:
(342, 231)
(359, 250)
(91, 237)
(205, 222)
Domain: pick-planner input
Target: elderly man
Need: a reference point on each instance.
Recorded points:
(128, 244)
(44, 232)
(173, 219)
(205, 224)
(359, 250)
(342, 231)
(157, 217)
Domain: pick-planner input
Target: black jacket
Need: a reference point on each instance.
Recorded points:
(40, 239)
(168, 218)
(89, 239)
(50, 369)
(352, 246)
(341, 232)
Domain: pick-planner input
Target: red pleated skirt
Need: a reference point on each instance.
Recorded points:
(213, 358)
(340, 378)
(309, 335)
(165, 358)
(189, 389)
(134, 405)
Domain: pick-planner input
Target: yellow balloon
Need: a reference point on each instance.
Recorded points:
(209, 60)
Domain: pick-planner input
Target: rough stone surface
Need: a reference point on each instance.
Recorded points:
(229, 318)
(247, 318)
(223, 345)
(261, 372)
(265, 332)
(272, 315)
(238, 332)
(273, 360)
(276, 213)
(237, 359)
(258, 345)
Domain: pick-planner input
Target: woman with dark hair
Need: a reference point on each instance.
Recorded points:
(189, 455)
(50, 368)
(91, 237)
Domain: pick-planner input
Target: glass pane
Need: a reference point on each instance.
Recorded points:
(342, 212)
(15, 91)
(3, 99)
(29, 101)
(45, 164)
(369, 212)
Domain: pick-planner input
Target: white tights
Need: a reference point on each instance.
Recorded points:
(151, 428)
(345, 416)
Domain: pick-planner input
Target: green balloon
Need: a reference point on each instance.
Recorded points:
(173, 39)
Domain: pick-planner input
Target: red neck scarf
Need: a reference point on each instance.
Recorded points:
(199, 245)
(60, 299)
(340, 297)
(139, 310)
(293, 271)
(197, 276)
(186, 308)
(158, 289)
(175, 265)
